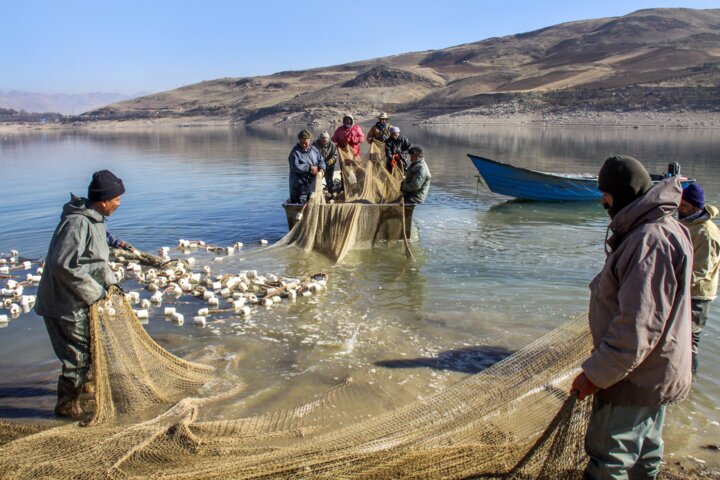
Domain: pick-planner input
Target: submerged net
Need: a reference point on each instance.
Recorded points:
(513, 420)
(372, 209)
(130, 370)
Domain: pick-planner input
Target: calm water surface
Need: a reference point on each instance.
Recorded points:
(490, 276)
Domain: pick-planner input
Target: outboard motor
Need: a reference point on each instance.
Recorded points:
(673, 169)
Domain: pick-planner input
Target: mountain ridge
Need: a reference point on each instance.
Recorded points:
(647, 51)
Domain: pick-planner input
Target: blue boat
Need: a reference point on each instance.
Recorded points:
(528, 184)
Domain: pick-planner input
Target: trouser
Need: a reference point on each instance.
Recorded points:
(624, 441)
(329, 179)
(699, 309)
(70, 338)
(301, 194)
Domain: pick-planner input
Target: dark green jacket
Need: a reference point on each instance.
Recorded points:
(76, 271)
(328, 151)
(417, 182)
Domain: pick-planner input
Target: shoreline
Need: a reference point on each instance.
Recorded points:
(472, 117)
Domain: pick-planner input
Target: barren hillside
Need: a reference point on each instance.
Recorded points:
(646, 60)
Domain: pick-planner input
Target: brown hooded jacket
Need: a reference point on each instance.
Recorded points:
(640, 304)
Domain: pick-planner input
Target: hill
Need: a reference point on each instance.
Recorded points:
(649, 60)
(66, 104)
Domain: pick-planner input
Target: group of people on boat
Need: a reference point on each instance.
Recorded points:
(310, 160)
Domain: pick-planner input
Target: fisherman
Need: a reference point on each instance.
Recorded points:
(381, 130)
(640, 323)
(698, 218)
(329, 152)
(416, 184)
(349, 134)
(77, 275)
(396, 150)
(306, 163)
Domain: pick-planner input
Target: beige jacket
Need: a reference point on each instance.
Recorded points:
(706, 246)
(640, 304)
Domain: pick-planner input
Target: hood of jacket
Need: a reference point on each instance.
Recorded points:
(80, 206)
(709, 213)
(661, 200)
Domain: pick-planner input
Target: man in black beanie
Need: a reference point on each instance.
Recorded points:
(76, 275)
(639, 319)
(623, 178)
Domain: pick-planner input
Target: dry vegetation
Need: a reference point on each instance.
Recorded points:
(661, 60)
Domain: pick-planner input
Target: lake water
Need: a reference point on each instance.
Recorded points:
(490, 276)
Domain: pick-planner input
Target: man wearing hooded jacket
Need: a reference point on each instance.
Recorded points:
(640, 323)
(349, 133)
(76, 275)
(698, 218)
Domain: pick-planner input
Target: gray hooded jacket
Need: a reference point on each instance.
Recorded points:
(417, 181)
(76, 270)
(640, 304)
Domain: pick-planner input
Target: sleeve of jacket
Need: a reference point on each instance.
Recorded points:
(388, 149)
(645, 300)
(321, 160)
(334, 152)
(336, 137)
(405, 145)
(415, 182)
(112, 240)
(704, 256)
(65, 263)
(358, 135)
(298, 162)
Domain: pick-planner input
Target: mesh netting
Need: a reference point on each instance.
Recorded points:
(155, 414)
(512, 420)
(142, 373)
(372, 209)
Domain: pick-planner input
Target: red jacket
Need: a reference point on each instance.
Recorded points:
(352, 136)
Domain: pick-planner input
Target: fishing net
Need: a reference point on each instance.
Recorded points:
(513, 420)
(371, 211)
(159, 416)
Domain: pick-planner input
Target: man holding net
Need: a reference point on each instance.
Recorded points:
(640, 323)
(306, 164)
(416, 183)
(396, 150)
(349, 133)
(329, 152)
(76, 275)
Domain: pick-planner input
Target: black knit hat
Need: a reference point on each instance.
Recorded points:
(105, 186)
(625, 179)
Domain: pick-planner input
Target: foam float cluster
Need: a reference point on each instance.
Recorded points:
(168, 280)
(237, 294)
(18, 275)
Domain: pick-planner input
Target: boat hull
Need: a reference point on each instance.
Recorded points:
(528, 184)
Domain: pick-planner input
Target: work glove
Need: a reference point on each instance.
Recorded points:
(395, 160)
(583, 386)
(126, 246)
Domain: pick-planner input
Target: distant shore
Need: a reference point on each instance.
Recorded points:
(474, 117)
(689, 120)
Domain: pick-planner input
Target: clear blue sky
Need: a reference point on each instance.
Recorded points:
(56, 46)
